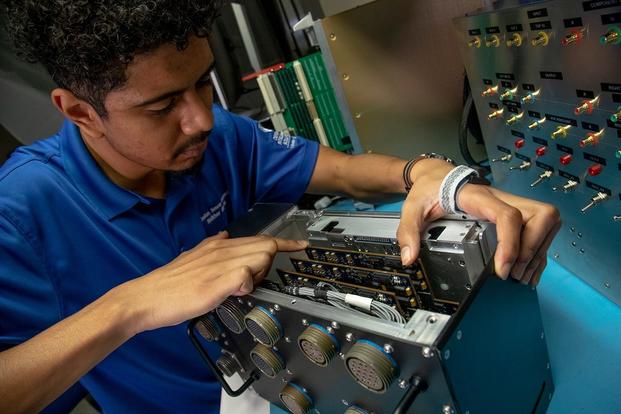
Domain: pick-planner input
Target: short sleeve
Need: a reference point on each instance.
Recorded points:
(28, 300)
(280, 165)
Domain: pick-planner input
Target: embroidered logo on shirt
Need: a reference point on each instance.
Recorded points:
(215, 211)
(285, 139)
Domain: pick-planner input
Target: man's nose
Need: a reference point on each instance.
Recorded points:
(197, 116)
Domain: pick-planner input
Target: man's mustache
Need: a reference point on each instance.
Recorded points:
(198, 139)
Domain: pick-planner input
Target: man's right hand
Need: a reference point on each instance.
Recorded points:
(200, 279)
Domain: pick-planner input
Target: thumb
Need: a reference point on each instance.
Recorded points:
(409, 231)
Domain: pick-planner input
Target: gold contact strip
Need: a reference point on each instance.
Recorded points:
(281, 273)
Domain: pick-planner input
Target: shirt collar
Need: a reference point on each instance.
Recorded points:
(107, 197)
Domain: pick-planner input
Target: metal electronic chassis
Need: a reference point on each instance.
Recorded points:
(343, 327)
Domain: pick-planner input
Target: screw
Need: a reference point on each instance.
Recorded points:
(403, 384)
(223, 334)
(459, 334)
(332, 37)
(427, 352)
(447, 354)
(293, 301)
(447, 409)
(542, 335)
(572, 229)
(388, 348)
(556, 255)
(345, 76)
(432, 319)
(548, 366)
(345, 402)
(276, 307)
(341, 355)
(226, 343)
(240, 300)
(289, 372)
(349, 336)
(330, 329)
(287, 339)
(335, 324)
(250, 304)
(272, 310)
(304, 322)
(358, 115)
(607, 285)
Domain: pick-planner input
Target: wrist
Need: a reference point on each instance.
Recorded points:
(433, 168)
(122, 307)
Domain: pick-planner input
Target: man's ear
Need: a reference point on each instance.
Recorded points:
(78, 111)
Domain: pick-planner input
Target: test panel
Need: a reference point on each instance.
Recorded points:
(546, 82)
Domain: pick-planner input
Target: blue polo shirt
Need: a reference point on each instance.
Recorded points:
(68, 235)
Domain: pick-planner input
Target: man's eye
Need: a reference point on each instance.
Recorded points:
(204, 81)
(166, 109)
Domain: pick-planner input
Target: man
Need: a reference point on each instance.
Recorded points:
(110, 230)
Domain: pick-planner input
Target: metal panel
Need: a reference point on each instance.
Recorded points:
(401, 78)
(587, 243)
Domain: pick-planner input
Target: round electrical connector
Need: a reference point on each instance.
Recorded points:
(354, 409)
(231, 315)
(263, 326)
(267, 360)
(371, 366)
(228, 365)
(296, 399)
(208, 327)
(318, 345)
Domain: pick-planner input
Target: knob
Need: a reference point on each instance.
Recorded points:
(592, 139)
(611, 37)
(492, 90)
(504, 158)
(594, 170)
(543, 176)
(514, 118)
(496, 114)
(537, 124)
(525, 165)
(541, 151)
(616, 218)
(561, 131)
(519, 143)
(492, 41)
(616, 117)
(575, 36)
(566, 159)
(515, 40)
(508, 93)
(541, 39)
(475, 42)
(531, 97)
(586, 106)
(596, 199)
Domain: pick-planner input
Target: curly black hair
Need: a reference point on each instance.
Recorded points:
(86, 45)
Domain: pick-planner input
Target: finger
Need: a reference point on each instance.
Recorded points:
(409, 230)
(285, 245)
(530, 270)
(536, 231)
(534, 281)
(480, 202)
(258, 263)
(236, 282)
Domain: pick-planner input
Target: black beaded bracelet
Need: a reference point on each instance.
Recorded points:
(410, 164)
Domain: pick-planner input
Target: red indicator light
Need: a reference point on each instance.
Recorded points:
(541, 151)
(594, 170)
(566, 159)
(519, 143)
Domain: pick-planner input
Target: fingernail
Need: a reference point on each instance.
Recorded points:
(505, 269)
(406, 255)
